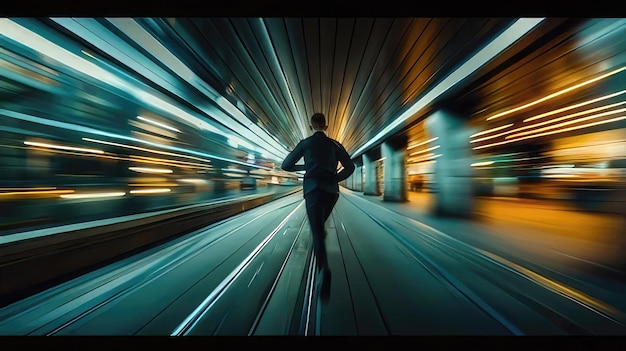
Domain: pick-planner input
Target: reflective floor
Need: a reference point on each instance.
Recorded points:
(515, 269)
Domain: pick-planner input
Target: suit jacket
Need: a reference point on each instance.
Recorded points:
(321, 155)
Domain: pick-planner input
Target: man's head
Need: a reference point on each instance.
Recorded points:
(318, 121)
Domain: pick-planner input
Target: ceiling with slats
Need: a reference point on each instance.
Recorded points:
(360, 72)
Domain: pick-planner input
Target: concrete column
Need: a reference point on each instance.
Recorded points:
(358, 179)
(350, 181)
(369, 188)
(452, 170)
(394, 159)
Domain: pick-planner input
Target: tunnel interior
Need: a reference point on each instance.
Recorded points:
(125, 136)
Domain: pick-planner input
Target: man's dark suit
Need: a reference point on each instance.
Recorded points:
(321, 182)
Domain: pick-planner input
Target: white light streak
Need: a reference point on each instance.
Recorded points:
(192, 319)
(144, 149)
(93, 195)
(62, 147)
(131, 28)
(151, 191)
(278, 68)
(47, 48)
(486, 54)
(193, 180)
(137, 33)
(30, 39)
(150, 170)
(159, 124)
(479, 164)
(234, 170)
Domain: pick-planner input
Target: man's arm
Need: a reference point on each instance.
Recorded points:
(289, 163)
(346, 162)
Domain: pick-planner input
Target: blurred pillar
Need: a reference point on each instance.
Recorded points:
(358, 178)
(394, 155)
(349, 183)
(369, 188)
(452, 171)
(353, 180)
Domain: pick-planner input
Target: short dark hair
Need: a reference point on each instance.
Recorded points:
(318, 120)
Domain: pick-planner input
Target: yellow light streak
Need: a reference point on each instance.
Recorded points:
(150, 191)
(37, 192)
(561, 175)
(62, 147)
(478, 164)
(552, 132)
(150, 170)
(28, 189)
(134, 158)
(492, 136)
(149, 179)
(193, 180)
(491, 130)
(153, 184)
(146, 149)
(75, 153)
(561, 92)
(425, 150)
(569, 116)
(598, 115)
(574, 128)
(556, 286)
(423, 162)
(424, 158)
(422, 143)
(574, 106)
(166, 162)
(160, 163)
(87, 53)
(93, 195)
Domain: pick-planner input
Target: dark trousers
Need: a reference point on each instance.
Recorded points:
(319, 205)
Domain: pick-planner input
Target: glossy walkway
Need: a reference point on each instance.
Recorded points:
(396, 271)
